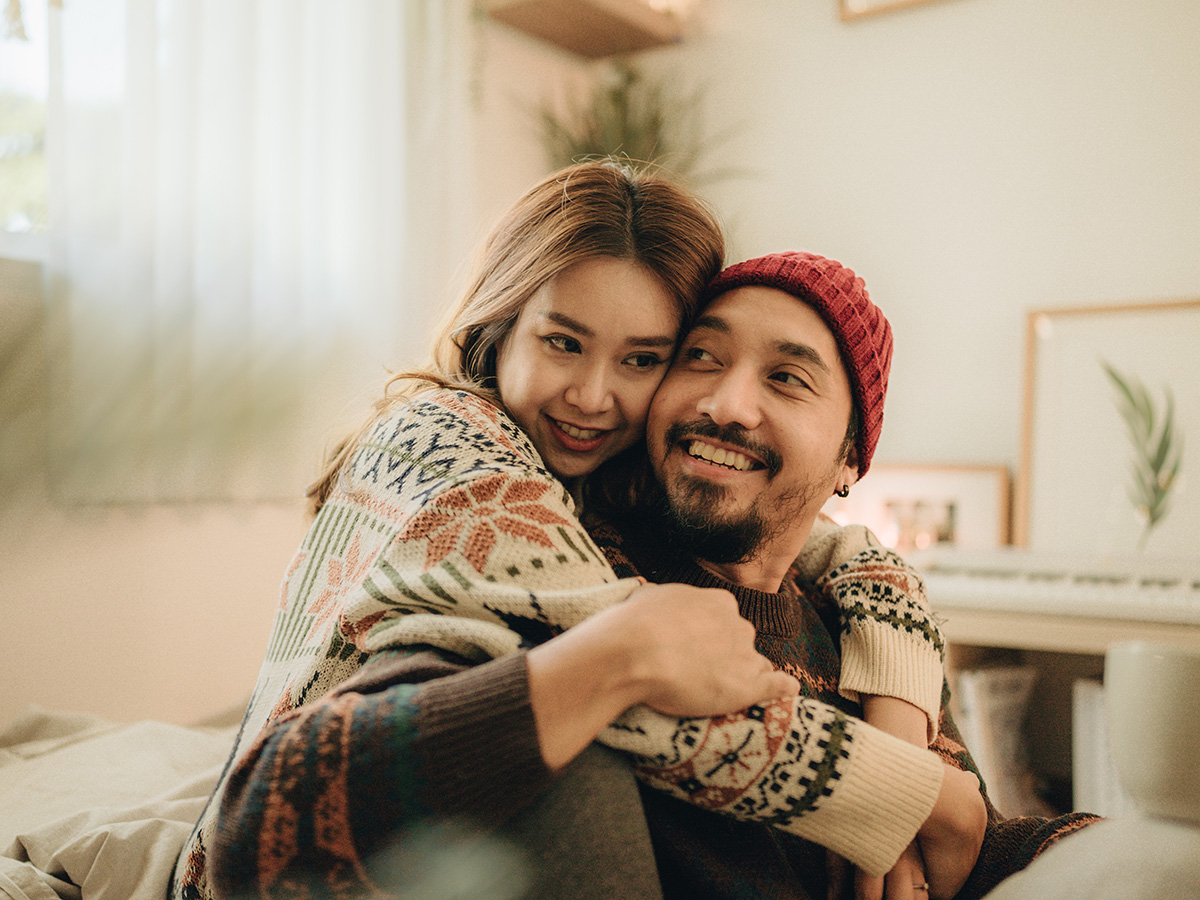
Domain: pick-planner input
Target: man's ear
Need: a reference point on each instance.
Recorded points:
(848, 476)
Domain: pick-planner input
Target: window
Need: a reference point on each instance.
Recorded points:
(24, 70)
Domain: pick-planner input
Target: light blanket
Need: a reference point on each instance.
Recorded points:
(97, 809)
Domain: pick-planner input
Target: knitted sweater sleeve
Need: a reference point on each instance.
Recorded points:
(323, 801)
(891, 643)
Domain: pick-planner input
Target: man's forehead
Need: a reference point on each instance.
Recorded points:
(761, 308)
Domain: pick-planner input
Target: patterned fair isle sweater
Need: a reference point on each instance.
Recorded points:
(716, 857)
(394, 686)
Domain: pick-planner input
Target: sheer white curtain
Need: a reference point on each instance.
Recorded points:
(256, 206)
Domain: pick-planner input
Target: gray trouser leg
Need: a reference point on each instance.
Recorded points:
(586, 837)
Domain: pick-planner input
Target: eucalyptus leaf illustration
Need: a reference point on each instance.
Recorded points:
(1156, 445)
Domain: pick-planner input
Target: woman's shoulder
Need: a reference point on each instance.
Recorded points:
(455, 417)
(435, 440)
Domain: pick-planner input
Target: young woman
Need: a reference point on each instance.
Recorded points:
(449, 637)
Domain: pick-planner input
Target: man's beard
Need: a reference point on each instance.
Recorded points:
(686, 514)
(688, 524)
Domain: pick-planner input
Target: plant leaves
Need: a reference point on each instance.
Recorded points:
(1157, 455)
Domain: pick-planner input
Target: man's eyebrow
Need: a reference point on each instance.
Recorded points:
(803, 352)
(711, 322)
(655, 340)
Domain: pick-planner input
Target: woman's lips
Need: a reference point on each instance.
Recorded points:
(581, 440)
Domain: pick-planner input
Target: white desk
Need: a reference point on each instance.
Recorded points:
(1020, 630)
(1023, 600)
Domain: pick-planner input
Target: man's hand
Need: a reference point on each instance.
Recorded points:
(906, 880)
(952, 836)
(681, 650)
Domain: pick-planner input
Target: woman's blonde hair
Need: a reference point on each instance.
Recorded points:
(593, 209)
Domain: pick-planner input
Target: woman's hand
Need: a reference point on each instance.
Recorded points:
(951, 836)
(906, 880)
(681, 650)
(692, 654)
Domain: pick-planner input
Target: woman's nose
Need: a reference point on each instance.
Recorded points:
(590, 391)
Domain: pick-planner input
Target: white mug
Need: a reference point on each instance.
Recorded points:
(1152, 695)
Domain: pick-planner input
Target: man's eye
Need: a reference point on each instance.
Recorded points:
(791, 379)
(563, 343)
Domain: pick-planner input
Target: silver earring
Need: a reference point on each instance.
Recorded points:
(844, 492)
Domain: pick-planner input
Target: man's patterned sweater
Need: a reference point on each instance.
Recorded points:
(701, 855)
(394, 686)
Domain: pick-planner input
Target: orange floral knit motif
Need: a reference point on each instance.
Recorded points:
(467, 519)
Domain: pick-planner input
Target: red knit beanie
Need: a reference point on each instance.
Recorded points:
(863, 334)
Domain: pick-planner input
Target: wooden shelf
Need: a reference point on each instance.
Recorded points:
(590, 28)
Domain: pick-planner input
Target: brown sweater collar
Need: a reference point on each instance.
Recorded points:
(773, 614)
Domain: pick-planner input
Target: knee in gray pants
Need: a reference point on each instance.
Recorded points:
(585, 837)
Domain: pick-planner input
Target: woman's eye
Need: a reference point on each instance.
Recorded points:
(699, 354)
(645, 360)
(563, 343)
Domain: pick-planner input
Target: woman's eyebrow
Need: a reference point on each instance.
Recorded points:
(567, 322)
(654, 340)
(658, 340)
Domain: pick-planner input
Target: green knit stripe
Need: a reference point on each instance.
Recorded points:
(912, 624)
(289, 633)
(825, 772)
(397, 581)
(329, 537)
(437, 590)
(590, 555)
(458, 576)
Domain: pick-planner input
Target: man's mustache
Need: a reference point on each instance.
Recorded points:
(734, 435)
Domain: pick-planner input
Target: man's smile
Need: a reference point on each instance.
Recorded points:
(731, 459)
(729, 448)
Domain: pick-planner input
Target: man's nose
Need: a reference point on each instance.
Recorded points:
(591, 391)
(732, 400)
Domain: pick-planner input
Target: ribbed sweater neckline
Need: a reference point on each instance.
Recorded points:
(770, 614)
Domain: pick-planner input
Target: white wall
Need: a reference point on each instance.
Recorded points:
(971, 159)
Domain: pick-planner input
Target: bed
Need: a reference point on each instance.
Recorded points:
(99, 809)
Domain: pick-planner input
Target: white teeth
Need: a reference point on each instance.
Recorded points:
(580, 434)
(719, 456)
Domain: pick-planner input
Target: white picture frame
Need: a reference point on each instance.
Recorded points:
(1073, 481)
(916, 507)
